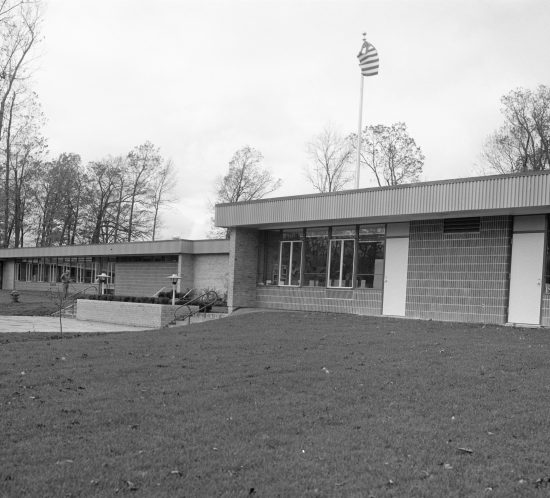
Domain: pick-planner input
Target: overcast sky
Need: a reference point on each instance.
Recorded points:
(200, 79)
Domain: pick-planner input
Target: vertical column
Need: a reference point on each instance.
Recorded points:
(395, 269)
(186, 271)
(8, 275)
(243, 265)
(180, 269)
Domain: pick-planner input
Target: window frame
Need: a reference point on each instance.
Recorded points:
(381, 241)
(290, 267)
(341, 241)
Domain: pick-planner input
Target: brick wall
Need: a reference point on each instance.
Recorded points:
(357, 301)
(186, 270)
(146, 278)
(459, 276)
(8, 275)
(243, 266)
(545, 321)
(134, 314)
(211, 272)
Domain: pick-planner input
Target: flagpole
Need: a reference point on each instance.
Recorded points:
(357, 168)
(368, 62)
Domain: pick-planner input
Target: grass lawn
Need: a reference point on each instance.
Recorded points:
(278, 404)
(30, 303)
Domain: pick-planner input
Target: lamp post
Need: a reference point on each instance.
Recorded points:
(174, 277)
(102, 278)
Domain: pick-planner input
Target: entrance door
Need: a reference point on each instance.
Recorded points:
(526, 278)
(395, 276)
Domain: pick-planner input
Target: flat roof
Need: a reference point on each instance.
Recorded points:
(141, 248)
(519, 193)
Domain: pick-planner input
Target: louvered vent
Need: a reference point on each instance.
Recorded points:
(458, 225)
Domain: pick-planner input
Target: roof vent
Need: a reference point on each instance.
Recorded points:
(459, 225)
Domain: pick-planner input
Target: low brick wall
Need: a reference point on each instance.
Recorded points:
(154, 316)
(357, 301)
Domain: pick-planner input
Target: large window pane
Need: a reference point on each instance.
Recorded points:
(291, 263)
(315, 257)
(370, 264)
(370, 231)
(335, 262)
(344, 232)
(341, 263)
(268, 257)
(285, 263)
(293, 234)
(347, 263)
(296, 265)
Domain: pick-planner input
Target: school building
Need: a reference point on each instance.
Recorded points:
(132, 268)
(470, 250)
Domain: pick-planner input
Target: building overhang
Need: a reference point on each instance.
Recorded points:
(516, 194)
(160, 247)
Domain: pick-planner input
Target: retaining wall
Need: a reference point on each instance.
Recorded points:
(153, 316)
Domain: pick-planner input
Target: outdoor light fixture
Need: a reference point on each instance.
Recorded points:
(174, 277)
(102, 278)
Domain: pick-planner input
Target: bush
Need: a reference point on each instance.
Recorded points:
(166, 298)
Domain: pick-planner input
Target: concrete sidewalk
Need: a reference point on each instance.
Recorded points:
(50, 324)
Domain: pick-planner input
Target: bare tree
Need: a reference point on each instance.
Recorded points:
(162, 186)
(522, 143)
(390, 154)
(57, 195)
(24, 148)
(104, 185)
(246, 180)
(143, 163)
(19, 26)
(330, 155)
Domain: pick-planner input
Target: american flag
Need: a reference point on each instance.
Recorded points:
(368, 59)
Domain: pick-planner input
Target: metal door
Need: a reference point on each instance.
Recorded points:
(395, 276)
(526, 278)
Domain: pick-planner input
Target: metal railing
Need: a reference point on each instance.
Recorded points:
(203, 302)
(70, 298)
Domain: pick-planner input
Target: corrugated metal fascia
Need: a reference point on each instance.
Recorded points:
(485, 193)
(121, 249)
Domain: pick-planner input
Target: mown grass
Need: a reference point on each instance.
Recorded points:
(31, 303)
(278, 404)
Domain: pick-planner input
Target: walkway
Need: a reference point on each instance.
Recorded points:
(51, 325)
